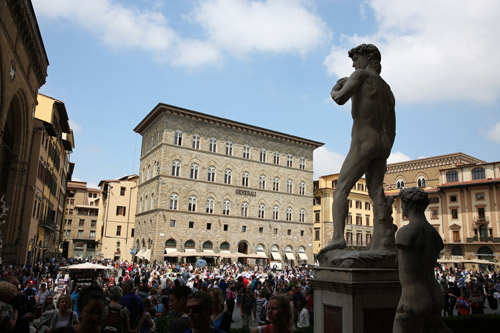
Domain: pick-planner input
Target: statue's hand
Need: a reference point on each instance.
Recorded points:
(340, 83)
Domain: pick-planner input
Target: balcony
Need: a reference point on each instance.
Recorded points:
(483, 239)
(481, 220)
(49, 224)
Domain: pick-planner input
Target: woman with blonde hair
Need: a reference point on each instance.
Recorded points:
(62, 316)
(280, 316)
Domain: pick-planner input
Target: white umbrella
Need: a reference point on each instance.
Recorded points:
(88, 265)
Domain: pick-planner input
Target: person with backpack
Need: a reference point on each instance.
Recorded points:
(116, 316)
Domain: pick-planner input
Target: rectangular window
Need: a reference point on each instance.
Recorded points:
(316, 234)
(479, 196)
(275, 231)
(122, 191)
(69, 221)
(316, 216)
(118, 230)
(81, 223)
(93, 223)
(434, 214)
(261, 230)
(454, 214)
(92, 234)
(226, 227)
(191, 224)
(80, 234)
(359, 205)
(289, 232)
(348, 238)
(456, 236)
(132, 233)
(367, 206)
(359, 219)
(120, 210)
(359, 238)
(434, 200)
(480, 213)
(348, 219)
(209, 226)
(301, 232)
(453, 198)
(172, 223)
(367, 219)
(243, 228)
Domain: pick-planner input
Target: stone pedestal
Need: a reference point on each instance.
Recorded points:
(355, 300)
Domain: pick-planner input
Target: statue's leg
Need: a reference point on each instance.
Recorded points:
(353, 168)
(383, 231)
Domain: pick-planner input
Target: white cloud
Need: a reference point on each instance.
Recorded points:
(494, 133)
(326, 162)
(397, 157)
(243, 26)
(75, 126)
(432, 50)
(236, 27)
(113, 23)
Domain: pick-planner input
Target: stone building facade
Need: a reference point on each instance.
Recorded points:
(116, 220)
(22, 72)
(212, 185)
(359, 221)
(79, 238)
(464, 199)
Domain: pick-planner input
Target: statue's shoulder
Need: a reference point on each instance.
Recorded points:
(406, 235)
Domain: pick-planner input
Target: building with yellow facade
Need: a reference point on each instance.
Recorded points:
(359, 221)
(116, 220)
(464, 204)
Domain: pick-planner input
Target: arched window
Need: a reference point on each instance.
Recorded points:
(263, 154)
(146, 202)
(149, 172)
(260, 248)
(262, 211)
(227, 176)
(244, 179)
(262, 182)
(275, 248)
(208, 245)
(194, 171)
(140, 205)
(302, 188)
(211, 174)
(288, 249)
(302, 215)
(276, 157)
(400, 184)
(289, 186)
(226, 207)
(196, 141)
(276, 210)
(229, 148)
(452, 176)
(152, 201)
(210, 206)
(421, 181)
(289, 214)
(478, 173)
(192, 201)
(246, 151)
(176, 168)
(212, 146)
(289, 161)
(170, 243)
(224, 246)
(276, 184)
(302, 163)
(178, 138)
(244, 209)
(302, 249)
(189, 244)
(174, 200)
(457, 251)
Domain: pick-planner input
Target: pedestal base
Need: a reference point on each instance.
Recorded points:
(355, 300)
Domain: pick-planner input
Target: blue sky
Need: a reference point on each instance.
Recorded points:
(271, 63)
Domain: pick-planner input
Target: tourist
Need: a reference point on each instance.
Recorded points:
(220, 316)
(247, 306)
(116, 316)
(62, 316)
(200, 308)
(280, 316)
(133, 303)
(177, 303)
(91, 304)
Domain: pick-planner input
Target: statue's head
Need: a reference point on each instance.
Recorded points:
(371, 52)
(414, 198)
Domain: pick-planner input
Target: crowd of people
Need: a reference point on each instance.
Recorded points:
(468, 292)
(157, 297)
